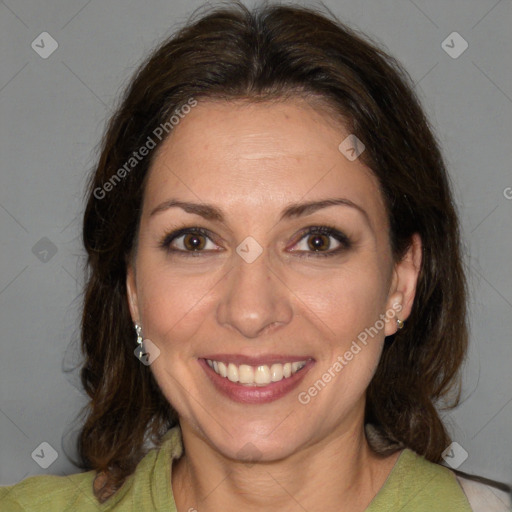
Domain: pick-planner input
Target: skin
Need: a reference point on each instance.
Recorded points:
(251, 161)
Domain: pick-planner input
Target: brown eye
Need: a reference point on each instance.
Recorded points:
(319, 242)
(194, 242)
(189, 241)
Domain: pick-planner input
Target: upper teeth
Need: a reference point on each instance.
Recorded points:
(255, 375)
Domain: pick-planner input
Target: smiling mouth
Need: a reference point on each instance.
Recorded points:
(261, 375)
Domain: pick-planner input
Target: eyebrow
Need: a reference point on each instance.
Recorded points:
(293, 210)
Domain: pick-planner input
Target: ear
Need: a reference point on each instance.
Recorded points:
(403, 286)
(131, 289)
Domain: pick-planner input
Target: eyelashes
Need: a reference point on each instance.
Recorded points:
(322, 233)
(315, 241)
(194, 237)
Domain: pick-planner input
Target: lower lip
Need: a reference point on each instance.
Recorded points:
(255, 394)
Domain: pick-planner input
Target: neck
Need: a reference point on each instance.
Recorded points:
(339, 473)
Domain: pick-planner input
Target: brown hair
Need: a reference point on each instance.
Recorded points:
(272, 53)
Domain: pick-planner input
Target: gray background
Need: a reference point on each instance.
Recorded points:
(53, 113)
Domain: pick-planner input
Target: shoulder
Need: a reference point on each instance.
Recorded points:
(485, 497)
(148, 484)
(418, 485)
(48, 492)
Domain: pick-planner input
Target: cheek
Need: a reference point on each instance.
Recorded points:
(347, 300)
(346, 306)
(173, 305)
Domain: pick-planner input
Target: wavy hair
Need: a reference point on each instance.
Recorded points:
(273, 52)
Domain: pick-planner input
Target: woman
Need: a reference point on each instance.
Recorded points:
(270, 230)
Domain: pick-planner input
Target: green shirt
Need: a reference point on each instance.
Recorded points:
(414, 485)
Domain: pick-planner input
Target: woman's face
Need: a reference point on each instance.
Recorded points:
(261, 243)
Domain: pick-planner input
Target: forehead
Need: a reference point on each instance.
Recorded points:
(240, 155)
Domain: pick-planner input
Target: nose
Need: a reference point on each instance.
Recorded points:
(254, 300)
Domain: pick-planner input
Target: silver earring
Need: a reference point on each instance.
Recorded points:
(139, 350)
(138, 330)
(399, 324)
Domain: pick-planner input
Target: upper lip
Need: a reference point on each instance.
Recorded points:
(267, 359)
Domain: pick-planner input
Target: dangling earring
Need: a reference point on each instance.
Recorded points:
(146, 351)
(399, 324)
(139, 350)
(138, 330)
